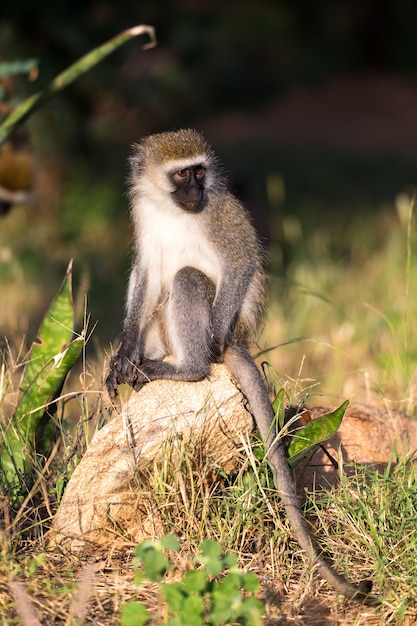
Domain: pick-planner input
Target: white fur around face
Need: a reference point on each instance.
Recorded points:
(176, 165)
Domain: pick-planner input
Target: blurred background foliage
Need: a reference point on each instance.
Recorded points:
(311, 106)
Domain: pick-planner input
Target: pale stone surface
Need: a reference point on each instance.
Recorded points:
(104, 501)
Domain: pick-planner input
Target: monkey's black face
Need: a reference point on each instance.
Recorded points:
(189, 193)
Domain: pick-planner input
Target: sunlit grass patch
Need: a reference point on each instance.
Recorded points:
(371, 517)
(344, 325)
(352, 318)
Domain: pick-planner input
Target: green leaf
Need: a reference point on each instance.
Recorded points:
(174, 594)
(251, 610)
(211, 549)
(279, 409)
(134, 614)
(142, 547)
(59, 488)
(229, 584)
(80, 67)
(170, 542)
(229, 560)
(48, 358)
(210, 557)
(195, 581)
(315, 432)
(48, 362)
(222, 605)
(250, 582)
(155, 564)
(192, 611)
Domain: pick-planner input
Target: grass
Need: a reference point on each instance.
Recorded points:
(367, 525)
(353, 306)
(351, 317)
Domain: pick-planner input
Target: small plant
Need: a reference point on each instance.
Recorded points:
(299, 441)
(31, 428)
(216, 592)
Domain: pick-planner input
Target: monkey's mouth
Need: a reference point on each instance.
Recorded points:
(191, 200)
(193, 207)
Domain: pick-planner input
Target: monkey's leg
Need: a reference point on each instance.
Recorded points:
(188, 325)
(244, 371)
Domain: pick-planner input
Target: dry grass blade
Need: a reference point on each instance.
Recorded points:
(82, 596)
(24, 605)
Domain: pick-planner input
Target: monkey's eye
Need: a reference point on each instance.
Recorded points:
(199, 171)
(182, 173)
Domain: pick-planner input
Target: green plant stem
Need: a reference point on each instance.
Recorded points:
(83, 65)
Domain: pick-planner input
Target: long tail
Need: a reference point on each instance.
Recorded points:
(243, 369)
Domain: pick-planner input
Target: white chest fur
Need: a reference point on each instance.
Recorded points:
(170, 239)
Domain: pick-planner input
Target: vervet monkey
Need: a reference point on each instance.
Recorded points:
(196, 292)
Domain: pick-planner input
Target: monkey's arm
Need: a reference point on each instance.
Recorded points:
(124, 363)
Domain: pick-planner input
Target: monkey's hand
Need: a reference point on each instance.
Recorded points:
(123, 368)
(111, 383)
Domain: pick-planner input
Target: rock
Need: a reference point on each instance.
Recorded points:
(105, 502)
(109, 501)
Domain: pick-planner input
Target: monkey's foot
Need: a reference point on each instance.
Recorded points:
(151, 369)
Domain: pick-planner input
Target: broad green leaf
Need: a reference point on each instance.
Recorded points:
(48, 362)
(250, 582)
(223, 601)
(313, 433)
(155, 564)
(142, 547)
(229, 560)
(134, 614)
(213, 567)
(170, 542)
(230, 583)
(210, 557)
(211, 548)
(192, 611)
(251, 611)
(195, 581)
(174, 594)
(20, 436)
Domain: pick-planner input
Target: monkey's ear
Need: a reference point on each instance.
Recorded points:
(137, 158)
